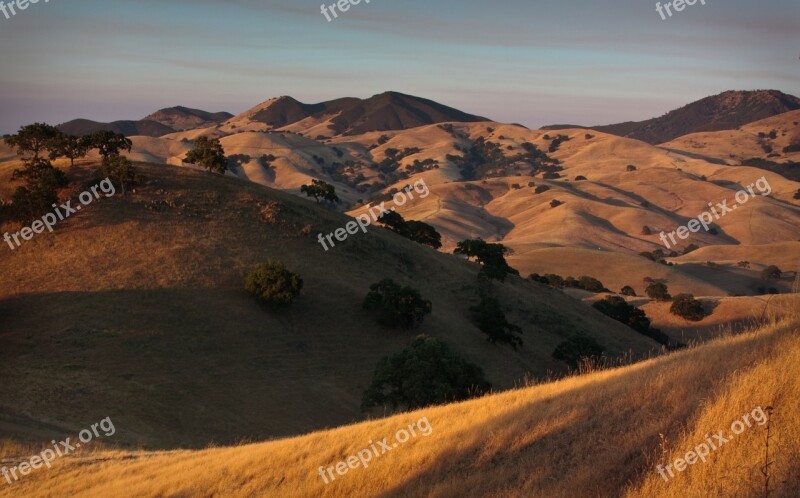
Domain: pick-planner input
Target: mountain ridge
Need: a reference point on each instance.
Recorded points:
(725, 111)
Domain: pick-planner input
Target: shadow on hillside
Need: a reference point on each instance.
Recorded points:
(176, 368)
(694, 155)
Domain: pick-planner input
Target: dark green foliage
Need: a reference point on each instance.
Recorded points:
(273, 284)
(42, 181)
(577, 349)
(555, 203)
(591, 284)
(320, 190)
(109, 143)
(427, 372)
(628, 291)
(417, 231)
(423, 233)
(40, 174)
(540, 189)
(491, 256)
(33, 139)
(556, 143)
(396, 306)
(771, 272)
(28, 204)
(618, 309)
(120, 171)
(490, 319)
(208, 153)
(483, 159)
(393, 220)
(70, 147)
(584, 282)
(686, 306)
(658, 291)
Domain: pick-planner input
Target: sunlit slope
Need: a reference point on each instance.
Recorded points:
(601, 434)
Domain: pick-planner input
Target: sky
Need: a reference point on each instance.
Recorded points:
(532, 62)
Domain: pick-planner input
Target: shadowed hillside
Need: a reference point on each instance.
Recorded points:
(602, 434)
(135, 308)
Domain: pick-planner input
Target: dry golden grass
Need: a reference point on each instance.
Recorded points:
(593, 435)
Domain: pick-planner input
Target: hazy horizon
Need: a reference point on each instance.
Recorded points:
(577, 63)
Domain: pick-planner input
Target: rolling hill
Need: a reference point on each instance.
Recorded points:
(159, 123)
(601, 434)
(135, 308)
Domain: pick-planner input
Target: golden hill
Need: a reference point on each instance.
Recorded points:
(601, 434)
(135, 308)
(610, 211)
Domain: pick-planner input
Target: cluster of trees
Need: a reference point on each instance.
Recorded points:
(484, 158)
(427, 372)
(583, 282)
(556, 143)
(418, 231)
(491, 256)
(617, 308)
(40, 144)
(686, 306)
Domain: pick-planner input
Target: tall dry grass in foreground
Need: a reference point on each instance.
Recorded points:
(592, 435)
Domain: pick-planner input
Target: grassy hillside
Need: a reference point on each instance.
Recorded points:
(597, 435)
(135, 308)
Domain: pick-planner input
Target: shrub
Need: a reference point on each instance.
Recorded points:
(646, 230)
(491, 320)
(555, 203)
(396, 306)
(591, 284)
(628, 291)
(580, 178)
(630, 167)
(120, 171)
(273, 284)
(618, 309)
(771, 272)
(791, 148)
(28, 204)
(686, 306)
(658, 291)
(425, 373)
(540, 189)
(577, 349)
